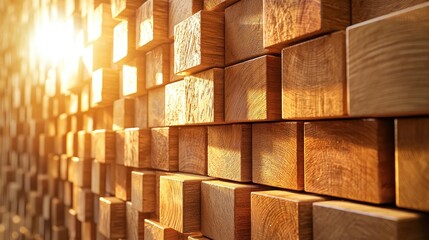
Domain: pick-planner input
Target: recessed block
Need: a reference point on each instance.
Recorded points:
(137, 148)
(104, 87)
(133, 77)
(103, 145)
(164, 148)
(123, 113)
(156, 107)
(152, 24)
(157, 66)
(124, 41)
(193, 150)
(123, 182)
(143, 185)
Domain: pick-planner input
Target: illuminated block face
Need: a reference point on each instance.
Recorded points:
(145, 23)
(120, 41)
(129, 80)
(97, 87)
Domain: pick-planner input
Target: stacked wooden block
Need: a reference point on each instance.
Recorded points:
(233, 119)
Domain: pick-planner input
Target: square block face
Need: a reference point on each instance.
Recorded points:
(140, 112)
(120, 147)
(143, 191)
(179, 11)
(155, 230)
(120, 41)
(156, 107)
(123, 113)
(152, 24)
(103, 146)
(230, 152)
(157, 66)
(98, 178)
(104, 87)
(83, 173)
(112, 214)
(133, 76)
(164, 148)
(193, 150)
(278, 154)
(122, 182)
(175, 103)
(137, 148)
(350, 159)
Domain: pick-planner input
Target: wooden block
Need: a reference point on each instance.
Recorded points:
(105, 84)
(111, 178)
(120, 147)
(42, 184)
(175, 103)
(57, 208)
(88, 230)
(154, 230)
(182, 214)
(143, 185)
(411, 159)
(226, 206)
(71, 144)
(85, 97)
(124, 9)
(199, 43)
(137, 148)
(73, 224)
(123, 182)
(374, 89)
(68, 193)
(85, 204)
(100, 23)
(46, 206)
(83, 172)
(158, 66)
(135, 223)
(97, 55)
(156, 112)
(152, 24)
(59, 233)
(350, 159)
(288, 22)
(173, 76)
(180, 10)
(140, 112)
(123, 113)
(98, 178)
(34, 203)
(278, 154)
(112, 217)
(124, 41)
(229, 153)
(244, 18)
(103, 146)
(72, 169)
(337, 220)
(164, 148)
(252, 90)
(218, 5)
(314, 78)
(133, 77)
(282, 215)
(84, 145)
(193, 150)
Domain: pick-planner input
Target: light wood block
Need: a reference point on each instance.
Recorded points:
(124, 41)
(156, 107)
(133, 77)
(182, 214)
(73, 225)
(120, 147)
(374, 89)
(123, 113)
(141, 112)
(57, 212)
(85, 205)
(112, 217)
(350, 159)
(199, 42)
(278, 154)
(100, 23)
(135, 223)
(225, 206)
(104, 146)
(97, 55)
(175, 103)
(84, 145)
(314, 78)
(83, 172)
(229, 153)
(152, 24)
(59, 233)
(123, 182)
(180, 10)
(158, 175)
(193, 150)
(282, 215)
(154, 230)
(218, 5)
(164, 148)
(98, 178)
(286, 22)
(411, 159)
(85, 97)
(173, 76)
(88, 230)
(111, 178)
(124, 9)
(158, 66)
(137, 148)
(72, 169)
(252, 90)
(104, 87)
(338, 220)
(71, 144)
(143, 185)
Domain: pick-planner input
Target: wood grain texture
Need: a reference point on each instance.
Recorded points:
(253, 90)
(278, 154)
(411, 161)
(85, 205)
(175, 103)
(103, 146)
(285, 22)
(193, 150)
(83, 172)
(218, 5)
(123, 182)
(73, 224)
(179, 200)
(199, 42)
(282, 215)
(173, 76)
(124, 41)
(350, 159)
(154, 230)
(164, 148)
(100, 24)
(229, 153)
(98, 178)
(347, 220)
(314, 78)
(84, 145)
(112, 217)
(244, 32)
(135, 223)
(225, 209)
(133, 76)
(395, 82)
(152, 24)
(141, 112)
(143, 185)
(104, 87)
(111, 178)
(123, 113)
(137, 148)
(158, 66)
(124, 9)
(120, 147)
(180, 10)
(156, 107)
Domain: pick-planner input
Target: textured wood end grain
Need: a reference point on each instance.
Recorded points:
(164, 148)
(104, 145)
(156, 230)
(123, 113)
(152, 24)
(193, 150)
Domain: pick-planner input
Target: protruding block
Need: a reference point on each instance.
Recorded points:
(124, 9)
(278, 154)
(346, 220)
(156, 107)
(180, 10)
(98, 178)
(85, 205)
(143, 185)
(112, 217)
(123, 113)
(123, 182)
(103, 146)
(158, 66)
(140, 112)
(133, 77)
(230, 152)
(124, 41)
(395, 82)
(412, 160)
(84, 145)
(314, 78)
(135, 223)
(104, 89)
(252, 90)
(152, 24)
(285, 22)
(218, 5)
(225, 209)
(164, 148)
(137, 148)
(182, 214)
(199, 42)
(154, 230)
(351, 159)
(193, 150)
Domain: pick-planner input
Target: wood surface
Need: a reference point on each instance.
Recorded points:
(120, 147)
(111, 178)
(84, 97)
(124, 41)
(98, 178)
(71, 144)
(83, 172)
(158, 66)
(123, 182)
(199, 42)
(73, 224)
(347, 220)
(59, 232)
(100, 23)
(173, 76)
(225, 209)
(112, 217)
(286, 22)
(103, 146)
(175, 103)
(63, 167)
(393, 83)
(278, 154)
(229, 152)
(133, 76)
(314, 78)
(218, 5)
(141, 112)
(411, 160)
(164, 148)
(193, 150)
(124, 9)
(137, 148)
(143, 184)
(104, 87)
(135, 223)
(180, 10)
(350, 159)
(85, 205)
(156, 109)
(154, 230)
(252, 90)
(152, 24)
(123, 113)
(179, 201)
(278, 214)
(84, 145)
